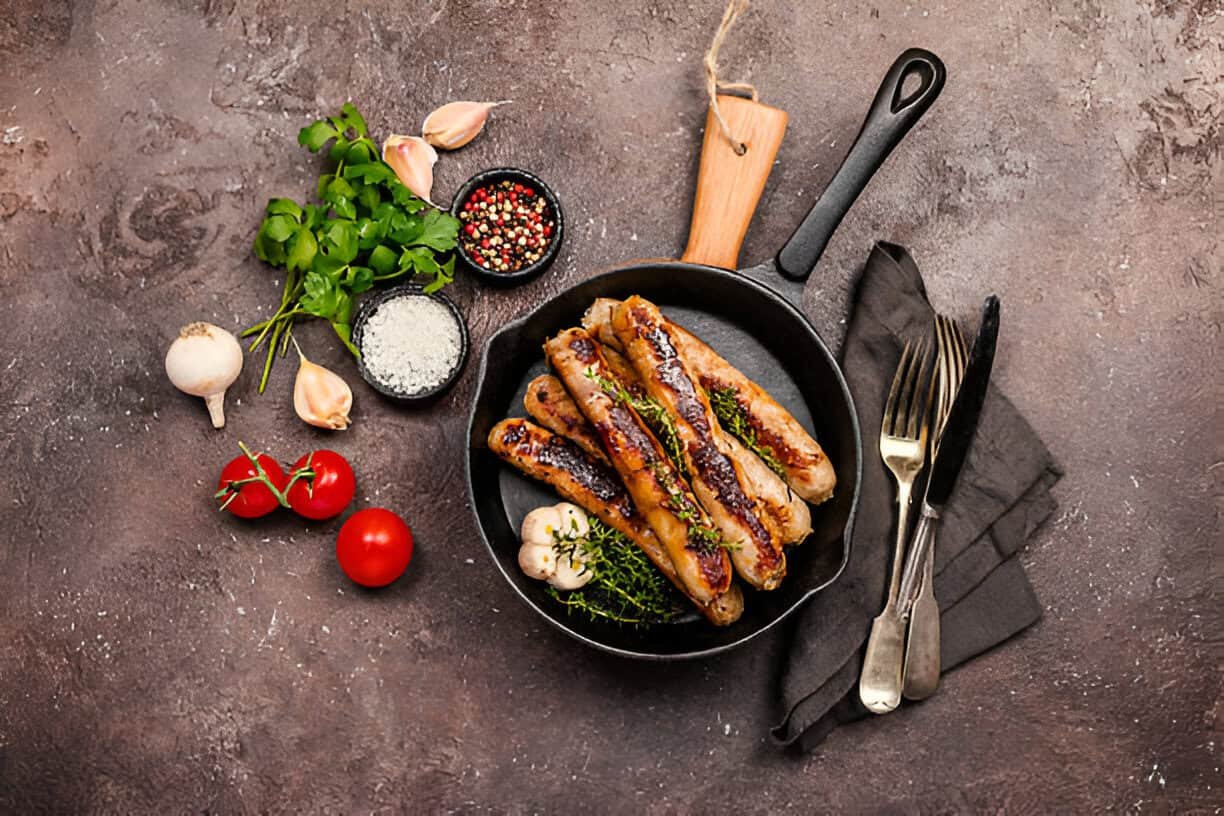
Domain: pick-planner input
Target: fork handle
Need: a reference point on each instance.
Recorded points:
(881, 680)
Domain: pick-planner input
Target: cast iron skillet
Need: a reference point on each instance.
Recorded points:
(755, 326)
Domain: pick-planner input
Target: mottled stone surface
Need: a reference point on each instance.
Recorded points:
(156, 657)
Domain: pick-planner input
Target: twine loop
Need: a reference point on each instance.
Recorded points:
(714, 85)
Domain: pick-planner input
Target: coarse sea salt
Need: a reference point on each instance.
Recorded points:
(411, 344)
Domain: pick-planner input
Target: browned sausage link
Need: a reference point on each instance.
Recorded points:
(624, 371)
(657, 490)
(544, 456)
(548, 403)
(808, 471)
(784, 508)
(598, 321)
(789, 513)
(719, 483)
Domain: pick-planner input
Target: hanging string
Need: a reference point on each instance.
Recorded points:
(713, 84)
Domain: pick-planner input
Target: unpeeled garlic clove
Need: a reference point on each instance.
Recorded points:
(574, 522)
(539, 527)
(536, 561)
(571, 571)
(455, 124)
(320, 397)
(412, 159)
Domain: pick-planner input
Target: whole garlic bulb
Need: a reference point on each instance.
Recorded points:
(320, 397)
(565, 567)
(204, 360)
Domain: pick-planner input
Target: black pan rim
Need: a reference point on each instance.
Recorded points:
(803, 599)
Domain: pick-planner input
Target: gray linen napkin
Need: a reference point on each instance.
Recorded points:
(1000, 500)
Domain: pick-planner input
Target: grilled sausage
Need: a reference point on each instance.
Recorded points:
(718, 481)
(545, 456)
(787, 511)
(548, 403)
(808, 471)
(790, 514)
(657, 489)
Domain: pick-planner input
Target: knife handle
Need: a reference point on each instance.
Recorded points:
(893, 112)
(729, 185)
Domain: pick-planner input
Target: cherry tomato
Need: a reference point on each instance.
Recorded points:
(374, 547)
(253, 499)
(325, 493)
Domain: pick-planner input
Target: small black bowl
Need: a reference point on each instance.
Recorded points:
(370, 305)
(527, 273)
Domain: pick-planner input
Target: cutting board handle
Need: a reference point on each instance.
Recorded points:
(729, 185)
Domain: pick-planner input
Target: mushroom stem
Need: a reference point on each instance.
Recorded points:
(216, 409)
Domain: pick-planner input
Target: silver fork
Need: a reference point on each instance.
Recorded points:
(903, 442)
(921, 675)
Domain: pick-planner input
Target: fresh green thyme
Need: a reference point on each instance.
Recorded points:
(731, 415)
(652, 413)
(707, 538)
(626, 587)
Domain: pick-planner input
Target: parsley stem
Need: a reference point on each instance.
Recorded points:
(267, 369)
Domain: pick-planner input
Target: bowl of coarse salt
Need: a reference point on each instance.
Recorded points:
(413, 345)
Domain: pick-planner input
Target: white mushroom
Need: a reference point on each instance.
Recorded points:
(537, 561)
(203, 361)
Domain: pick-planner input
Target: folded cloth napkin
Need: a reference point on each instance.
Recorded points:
(1002, 496)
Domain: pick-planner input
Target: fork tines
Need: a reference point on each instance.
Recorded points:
(953, 357)
(908, 399)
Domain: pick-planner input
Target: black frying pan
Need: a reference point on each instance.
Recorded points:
(745, 316)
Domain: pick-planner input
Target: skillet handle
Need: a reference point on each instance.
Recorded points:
(729, 185)
(889, 119)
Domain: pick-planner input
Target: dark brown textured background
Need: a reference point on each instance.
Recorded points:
(158, 658)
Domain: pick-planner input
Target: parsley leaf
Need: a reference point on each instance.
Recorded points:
(439, 231)
(302, 249)
(352, 118)
(315, 135)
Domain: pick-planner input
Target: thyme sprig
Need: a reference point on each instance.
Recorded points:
(626, 587)
(706, 537)
(733, 418)
(652, 413)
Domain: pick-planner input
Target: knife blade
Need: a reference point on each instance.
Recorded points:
(962, 422)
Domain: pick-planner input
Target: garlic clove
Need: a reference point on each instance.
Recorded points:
(539, 526)
(320, 397)
(571, 572)
(537, 561)
(204, 360)
(412, 159)
(574, 522)
(455, 124)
